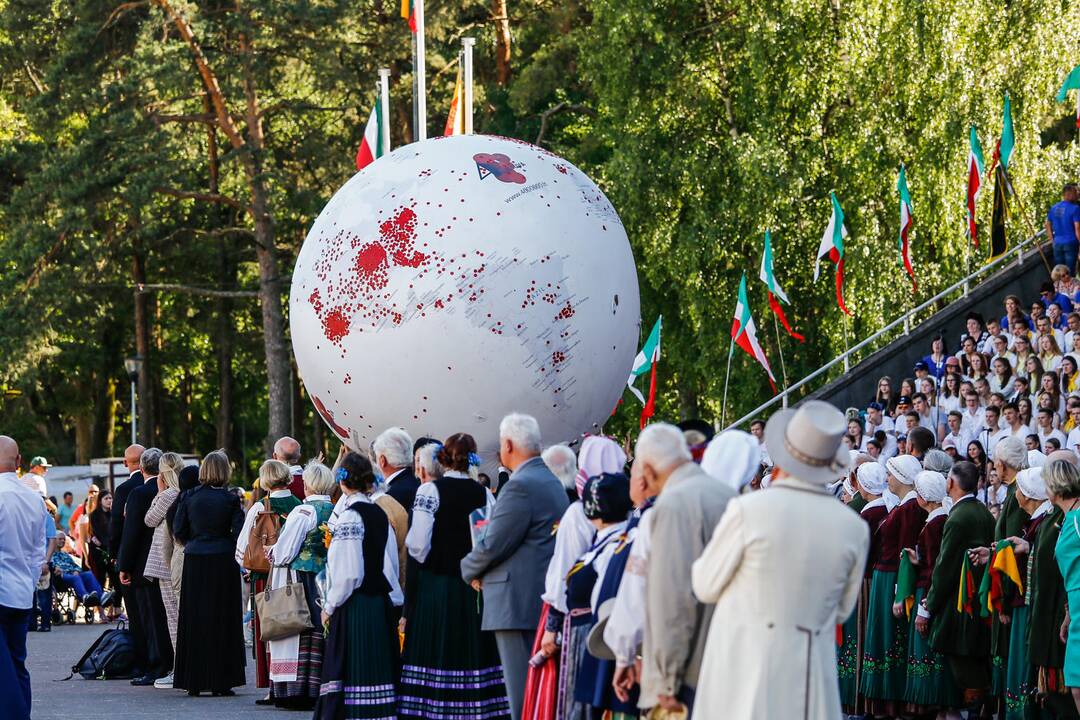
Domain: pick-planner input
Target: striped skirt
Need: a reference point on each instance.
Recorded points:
(450, 667)
(360, 662)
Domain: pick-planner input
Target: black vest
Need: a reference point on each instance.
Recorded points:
(451, 536)
(376, 527)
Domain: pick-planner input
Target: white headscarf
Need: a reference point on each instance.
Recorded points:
(931, 486)
(1036, 459)
(598, 455)
(871, 478)
(732, 457)
(1030, 482)
(904, 468)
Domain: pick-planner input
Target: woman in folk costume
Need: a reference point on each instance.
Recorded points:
(1010, 457)
(1046, 604)
(598, 454)
(869, 485)
(274, 479)
(607, 504)
(450, 667)
(884, 673)
(930, 685)
(360, 659)
(299, 555)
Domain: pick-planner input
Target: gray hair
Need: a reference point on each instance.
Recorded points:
(663, 446)
(937, 461)
(522, 430)
(561, 461)
(1013, 452)
(426, 460)
(395, 445)
(150, 461)
(1062, 479)
(318, 479)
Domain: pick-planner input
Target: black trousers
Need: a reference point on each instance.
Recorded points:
(153, 630)
(137, 628)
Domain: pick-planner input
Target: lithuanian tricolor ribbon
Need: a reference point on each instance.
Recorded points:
(1002, 566)
(966, 593)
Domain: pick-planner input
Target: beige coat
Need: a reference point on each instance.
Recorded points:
(681, 523)
(784, 567)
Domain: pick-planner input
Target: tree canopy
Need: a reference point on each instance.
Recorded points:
(161, 161)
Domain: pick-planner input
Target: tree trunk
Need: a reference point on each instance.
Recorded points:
(273, 317)
(502, 41)
(103, 433)
(145, 404)
(84, 425)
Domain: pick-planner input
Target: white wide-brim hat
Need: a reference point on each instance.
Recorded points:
(806, 442)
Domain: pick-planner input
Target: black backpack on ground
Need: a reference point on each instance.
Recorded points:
(111, 657)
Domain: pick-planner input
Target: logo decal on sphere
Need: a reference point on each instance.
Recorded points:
(499, 165)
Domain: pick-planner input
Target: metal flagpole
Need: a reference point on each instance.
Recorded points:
(384, 107)
(420, 68)
(779, 349)
(727, 377)
(467, 47)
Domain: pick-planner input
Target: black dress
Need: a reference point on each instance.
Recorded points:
(209, 636)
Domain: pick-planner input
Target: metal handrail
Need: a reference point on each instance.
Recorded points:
(783, 396)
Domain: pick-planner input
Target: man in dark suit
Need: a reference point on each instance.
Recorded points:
(509, 562)
(960, 635)
(116, 523)
(394, 456)
(120, 495)
(149, 626)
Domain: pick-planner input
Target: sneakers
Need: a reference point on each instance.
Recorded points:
(164, 683)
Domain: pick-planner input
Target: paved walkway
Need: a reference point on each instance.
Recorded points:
(51, 655)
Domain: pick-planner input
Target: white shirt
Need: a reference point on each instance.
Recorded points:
(972, 422)
(573, 539)
(249, 522)
(22, 541)
(606, 541)
(988, 496)
(345, 559)
(887, 425)
(1073, 440)
(932, 420)
(298, 524)
(987, 347)
(418, 541)
(960, 441)
(35, 482)
(626, 625)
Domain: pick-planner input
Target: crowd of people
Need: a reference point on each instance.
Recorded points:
(691, 575)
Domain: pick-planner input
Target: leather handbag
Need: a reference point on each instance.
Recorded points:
(283, 611)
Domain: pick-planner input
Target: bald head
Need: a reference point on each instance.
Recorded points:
(132, 455)
(287, 450)
(9, 454)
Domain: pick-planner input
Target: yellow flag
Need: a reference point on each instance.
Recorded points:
(455, 121)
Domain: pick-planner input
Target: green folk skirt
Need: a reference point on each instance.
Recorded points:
(360, 663)
(930, 684)
(849, 654)
(1018, 688)
(450, 668)
(884, 668)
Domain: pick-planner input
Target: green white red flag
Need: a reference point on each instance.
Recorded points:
(906, 221)
(776, 293)
(974, 184)
(744, 334)
(371, 147)
(1072, 82)
(646, 362)
(832, 246)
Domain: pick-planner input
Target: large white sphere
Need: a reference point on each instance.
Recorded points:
(459, 279)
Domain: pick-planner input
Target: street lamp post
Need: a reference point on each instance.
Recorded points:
(133, 366)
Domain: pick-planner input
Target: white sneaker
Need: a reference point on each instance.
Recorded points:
(164, 683)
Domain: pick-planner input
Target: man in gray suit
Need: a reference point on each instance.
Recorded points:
(686, 513)
(508, 564)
